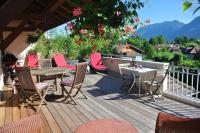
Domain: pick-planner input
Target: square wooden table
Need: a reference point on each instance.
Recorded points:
(50, 71)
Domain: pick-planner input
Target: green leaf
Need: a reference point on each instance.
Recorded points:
(198, 8)
(186, 5)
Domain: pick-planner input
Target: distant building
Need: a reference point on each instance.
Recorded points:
(128, 50)
(175, 48)
(191, 52)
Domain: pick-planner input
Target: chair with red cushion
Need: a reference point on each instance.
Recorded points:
(32, 60)
(96, 62)
(167, 123)
(62, 62)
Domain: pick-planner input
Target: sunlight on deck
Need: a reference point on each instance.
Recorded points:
(105, 100)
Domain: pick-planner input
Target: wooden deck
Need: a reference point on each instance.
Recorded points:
(105, 100)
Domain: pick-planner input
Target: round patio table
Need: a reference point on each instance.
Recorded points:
(106, 126)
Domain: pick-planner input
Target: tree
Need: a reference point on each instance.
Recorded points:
(181, 40)
(161, 39)
(191, 3)
(149, 50)
(178, 57)
(153, 41)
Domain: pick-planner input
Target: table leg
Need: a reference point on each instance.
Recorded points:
(37, 78)
(139, 84)
(56, 83)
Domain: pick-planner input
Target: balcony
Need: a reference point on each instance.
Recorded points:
(105, 100)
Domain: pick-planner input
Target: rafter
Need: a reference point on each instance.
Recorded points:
(1, 36)
(32, 28)
(11, 10)
(53, 5)
(11, 37)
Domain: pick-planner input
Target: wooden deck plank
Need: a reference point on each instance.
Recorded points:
(9, 107)
(2, 113)
(120, 112)
(16, 111)
(81, 116)
(51, 121)
(58, 118)
(47, 129)
(74, 119)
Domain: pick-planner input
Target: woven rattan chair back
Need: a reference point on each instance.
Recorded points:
(81, 69)
(25, 79)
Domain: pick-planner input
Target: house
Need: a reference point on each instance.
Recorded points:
(175, 48)
(191, 52)
(128, 50)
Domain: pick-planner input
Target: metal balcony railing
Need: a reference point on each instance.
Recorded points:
(184, 82)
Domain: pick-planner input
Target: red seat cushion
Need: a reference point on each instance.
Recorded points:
(101, 67)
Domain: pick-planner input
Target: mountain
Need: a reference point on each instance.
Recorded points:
(172, 29)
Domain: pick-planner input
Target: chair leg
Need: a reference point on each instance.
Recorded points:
(42, 98)
(151, 93)
(131, 87)
(83, 94)
(68, 94)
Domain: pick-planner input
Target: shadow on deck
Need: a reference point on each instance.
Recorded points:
(105, 100)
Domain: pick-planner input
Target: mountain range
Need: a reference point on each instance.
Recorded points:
(172, 29)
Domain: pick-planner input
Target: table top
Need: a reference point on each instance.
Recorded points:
(48, 71)
(106, 126)
(140, 70)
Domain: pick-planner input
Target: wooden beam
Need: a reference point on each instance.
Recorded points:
(1, 37)
(11, 10)
(33, 28)
(11, 37)
(53, 5)
(32, 17)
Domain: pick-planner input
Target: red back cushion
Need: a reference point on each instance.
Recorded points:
(60, 60)
(96, 59)
(32, 60)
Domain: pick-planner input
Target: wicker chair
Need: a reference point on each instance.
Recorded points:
(167, 123)
(76, 83)
(32, 124)
(30, 89)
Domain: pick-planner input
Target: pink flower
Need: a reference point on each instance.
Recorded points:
(83, 31)
(77, 11)
(134, 31)
(101, 28)
(148, 21)
(136, 20)
(118, 13)
(128, 29)
(70, 25)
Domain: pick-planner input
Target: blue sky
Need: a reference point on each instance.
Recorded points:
(165, 10)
